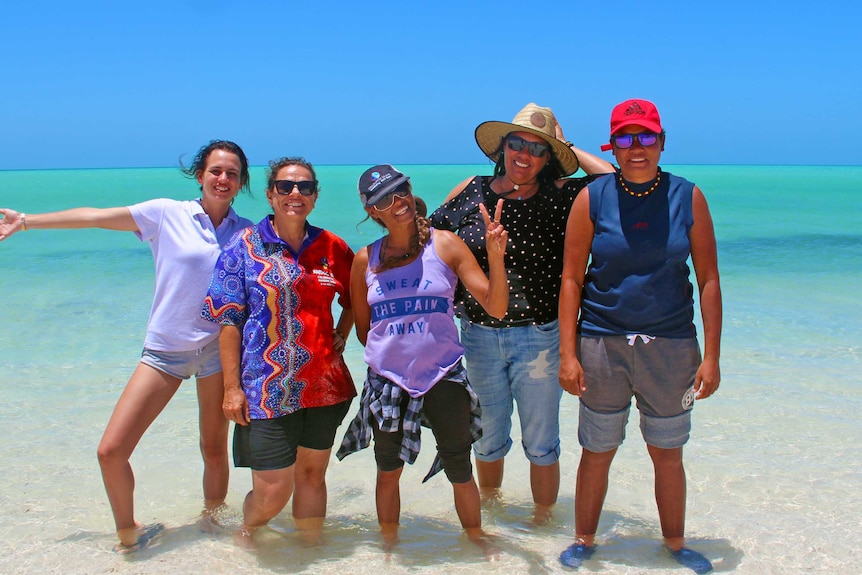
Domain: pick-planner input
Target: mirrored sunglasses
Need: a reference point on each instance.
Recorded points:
(626, 141)
(402, 192)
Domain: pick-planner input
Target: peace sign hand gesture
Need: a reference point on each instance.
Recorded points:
(496, 235)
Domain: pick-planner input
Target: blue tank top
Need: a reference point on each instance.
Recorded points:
(413, 340)
(638, 278)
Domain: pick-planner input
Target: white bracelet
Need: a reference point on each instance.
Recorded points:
(23, 222)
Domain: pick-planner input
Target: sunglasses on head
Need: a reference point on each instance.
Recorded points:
(625, 141)
(402, 192)
(517, 143)
(285, 187)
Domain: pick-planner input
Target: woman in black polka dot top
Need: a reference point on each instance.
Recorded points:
(516, 359)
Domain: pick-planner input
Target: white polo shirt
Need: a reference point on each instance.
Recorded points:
(185, 248)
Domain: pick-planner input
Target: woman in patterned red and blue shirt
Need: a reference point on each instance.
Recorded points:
(287, 387)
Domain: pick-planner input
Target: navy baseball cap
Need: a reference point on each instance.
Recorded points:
(378, 181)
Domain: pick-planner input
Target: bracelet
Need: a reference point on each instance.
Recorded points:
(569, 144)
(23, 222)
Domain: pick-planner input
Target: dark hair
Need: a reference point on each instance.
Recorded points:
(422, 225)
(551, 172)
(421, 207)
(199, 163)
(276, 165)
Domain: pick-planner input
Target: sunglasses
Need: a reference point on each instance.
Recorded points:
(401, 192)
(285, 187)
(626, 141)
(537, 149)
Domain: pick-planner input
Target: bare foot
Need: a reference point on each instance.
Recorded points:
(244, 537)
(310, 530)
(490, 495)
(389, 532)
(478, 536)
(210, 520)
(542, 514)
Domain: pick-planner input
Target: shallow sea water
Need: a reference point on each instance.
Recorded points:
(774, 468)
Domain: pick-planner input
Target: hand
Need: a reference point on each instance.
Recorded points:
(10, 223)
(496, 235)
(707, 379)
(558, 132)
(572, 376)
(338, 343)
(235, 405)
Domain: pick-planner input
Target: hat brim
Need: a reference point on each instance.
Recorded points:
(489, 135)
(387, 189)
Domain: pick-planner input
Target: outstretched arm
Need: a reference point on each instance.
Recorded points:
(119, 219)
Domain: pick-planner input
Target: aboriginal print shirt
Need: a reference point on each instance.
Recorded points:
(282, 302)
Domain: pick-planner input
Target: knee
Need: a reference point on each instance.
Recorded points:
(666, 459)
(388, 478)
(457, 467)
(214, 451)
(310, 475)
(111, 453)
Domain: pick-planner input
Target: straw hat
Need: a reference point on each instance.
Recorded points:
(535, 120)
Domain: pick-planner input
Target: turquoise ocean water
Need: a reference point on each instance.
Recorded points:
(774, 465)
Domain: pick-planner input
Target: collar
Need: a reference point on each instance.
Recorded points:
(197, 209)
(268, 235)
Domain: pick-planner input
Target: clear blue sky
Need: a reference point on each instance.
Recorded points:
(127, 84)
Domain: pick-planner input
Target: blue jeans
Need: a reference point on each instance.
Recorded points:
(516, 365)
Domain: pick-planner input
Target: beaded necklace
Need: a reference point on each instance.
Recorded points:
(641, 194)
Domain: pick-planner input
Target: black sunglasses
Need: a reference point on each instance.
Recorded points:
(285, 187)
(517, 143)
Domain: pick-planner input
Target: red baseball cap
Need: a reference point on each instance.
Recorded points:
(634, 113)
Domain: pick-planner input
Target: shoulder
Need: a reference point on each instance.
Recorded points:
(460, 188)
(360, 260)
(338, 243)
(459, 203)
(445, 237)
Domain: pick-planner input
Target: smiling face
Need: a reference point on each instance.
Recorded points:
(522, 167)
(220, 180)
(638, 163)
(294, 205)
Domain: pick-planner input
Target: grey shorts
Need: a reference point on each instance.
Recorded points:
(658, 372)
(202, 362)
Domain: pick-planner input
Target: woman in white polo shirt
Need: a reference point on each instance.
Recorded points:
(185, 238)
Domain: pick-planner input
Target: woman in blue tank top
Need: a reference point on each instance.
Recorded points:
(635, 335)
(402, 289)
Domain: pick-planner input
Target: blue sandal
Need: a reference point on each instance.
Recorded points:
(145, 535)
(576, 554)
(693, 560)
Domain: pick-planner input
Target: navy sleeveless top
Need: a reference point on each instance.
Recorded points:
(638, 277)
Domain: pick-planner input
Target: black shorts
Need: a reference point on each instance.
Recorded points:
(446, 408)
(266, 444)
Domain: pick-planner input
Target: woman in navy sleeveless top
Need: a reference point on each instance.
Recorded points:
(636, 335)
